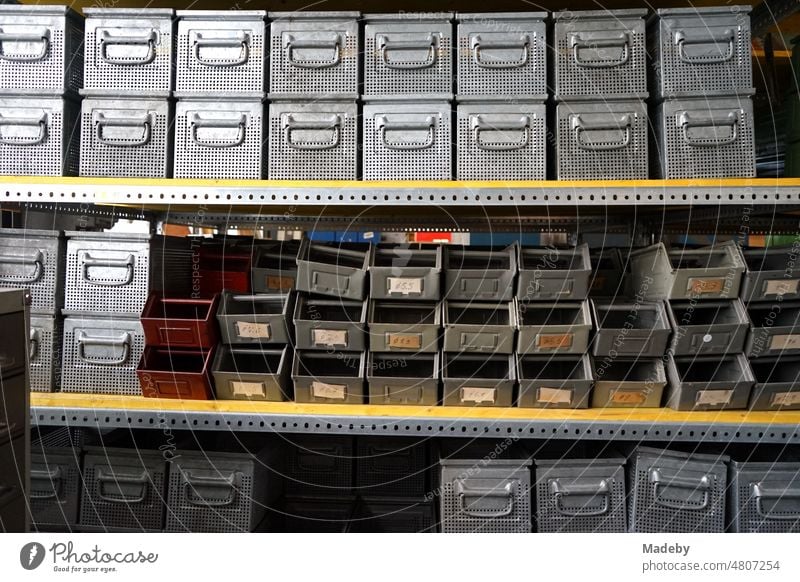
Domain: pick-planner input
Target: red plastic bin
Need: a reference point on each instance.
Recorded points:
(224, 269)
(184, 374)
(180, 323)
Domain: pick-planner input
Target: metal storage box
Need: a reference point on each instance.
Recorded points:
(636, 329)
(502, 53)
(706, 137)
(407, 139)
(600, 53)
(110, 272)
(101, 355)
(406, 272)
(256, 319)
(608, 272)
(480, 274)
(176, 373)
(707, 273)
(39, 136)
(709, 383)
(34, 260)
(553, 328)
(486, 495)
(314, 53)
(55, 487)
(42, 50)
(401, 326)
(129, 50)
(45, 353)
(777, 384)
(765, 497)
(221, 51)
(707, 328)
(581, 496)
(396, 379)
(498, 141)
(329, 378)
(601, 140)
(337, 270)
(123, 137)
(700, 51)
(554, 273)
(479, 327)
(330, 324)
(392, 467)
(221, 268)
(554, 381)
(628, 383)
(274, 267)
(408, 53)
(672, 492)
(307, 515)
(252, 374)
(393, 516)
(319, 466)
(218, 136)
(774, 329)
(478, 380)
(313, 141)
(180, 323)
(772, 273)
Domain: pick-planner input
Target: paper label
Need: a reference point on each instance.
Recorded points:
(714, 397)
(478, 395)
(281, 283)
(329, 337)
(785, 399)
(628, 397)
(404, 285)
(248, 388)
(248, 329)
(785, 342)
(329, 391)
(701, 286)
(554, 341)
(404, 341)
(554, 396)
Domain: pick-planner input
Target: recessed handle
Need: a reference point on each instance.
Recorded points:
(762, 491)
(464, 493)
(39, 121)
(582, 128)
(129, 488)
(686, 121)
(239, 124)
(562, 490)
(127, 263)
(147, 39)
(37, 260)
(141, 127)
(660, 482)
(290, 44)
(682, 40)
(429, 44)
(124, 341)
(41, 36)
(332, 124)
(241, 40)
(33, 348)
(480, 125)
(621, 40)
(522, 43)
(428, 126)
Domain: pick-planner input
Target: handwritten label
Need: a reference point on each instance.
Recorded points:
(280, 283)
(554, 396)
(785, 342)
(554, 341)
(702, 286)
(781, 286)
(785, 399)
(329, 337)
(404, 285)
(248, 389)
(477, 395)
(328, 391)
(628, 397)
(404, 341)
(250, 330)
(713, 397)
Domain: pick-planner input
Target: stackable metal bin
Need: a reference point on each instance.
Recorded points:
(274, 267)
(180, 322)
(256, 319)
(554, 381)
(673, 492)
(709, 383)
(553, 328)
(480, 274)
(580, 496)
(45, 353)
(34, 260)
(630, 329)
(406, 272)
(391, 467)
(393, 516)
(252, 374)
(478, 380)
(56, 479)
(772, 273)
(707, 328)
(329, 378)
(621, 383)
(765, 497)
(554, 273)
(330, 324)
(320, 466)
(777, 384)
(403, 326)
(479, 327)
(774, 329)
(336, 270)
(607, 273)
(396, 379)
(176, 373)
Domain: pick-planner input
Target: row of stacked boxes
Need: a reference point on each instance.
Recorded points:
(702, 80)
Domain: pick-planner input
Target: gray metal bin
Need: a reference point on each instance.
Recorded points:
(404, 326)
(774, 329)
(707, 328)
(252, 374)
(772, 274)
(34, 260)
(274, 267)
(319, 466)
(554, 381)
(777, 384)
(329, 378)
(709, 383)
(56, 484)
(630, 329)
(552, 273)
(581, 496)
(479, 327)
(765, 497)
(46, 334)
(397, 379)
(389, 467)
(330, 324)
(403, 272)
(707, 273)
(623, 383)
(396, 515)
(337, 270)
(553, 328)
(478, 380)
(256, 319)
(608, 272)
(480, 274)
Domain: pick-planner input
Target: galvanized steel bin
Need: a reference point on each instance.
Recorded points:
(34, 260)
(329, 378)
(707, 328)
(772, 274)
(480, 274)
(406, 272)
(336, 270)
(774, 329)
(404, 326)
(765, 497)
(554, 273)
(479, 327)
(478, 380)
(553, 328)
(252, 373)
(397, 379)
(777, 384)
(632, 329)
(330, 324)
(554, 381)
(709, 383)
(256, 319)
(621, 383)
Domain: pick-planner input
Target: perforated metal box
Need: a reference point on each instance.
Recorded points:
(55, 487)
(765, 497)
(313, 140)
(777, 384)
(252, 373)
(700, 51)
(330, 324)
(554, 381)
(42, 50)
(607, 273)
(707, 328)
(123, 137)
(601, 140)
(621, 383)
(129, 50)
(319, 466)
(501, 141)
(314, 53)
(256, 319)
(404, 326)
(34, 260)
(581, 496)
(45, 353)
(707, 273)
(406, 272)
(482, 274)
(502, 53)
(407, 139)
(110, 272)
(391, 467)
(336, 270)
(553, 273)
(329, 378)
(772, 274)
(553, 328)
(101, 355)
(709, 382)
(408, 53)
(706, 137)
(630, 329)
(275, 266)
(479, 327)
(400, 379)
(221, 51)
(478, 380)
(219, 136)
(677, 492)
(39, 136)
(600, 53)
(774, 329)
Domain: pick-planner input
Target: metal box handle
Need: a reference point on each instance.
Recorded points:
(239, 123)
(148, 39)
(127, 263)
(136, 486)
(193, 496)
(38, 267)
(123, 341)
(686, 121)
(622, 40)
(332, 123)
(39, 36)
(762, 491)
(560, 491)
(429, 126)
(33, 348)
(290, 43)
(581, 127)
(53, 478)
(523, 43)
(143, 122)
(430, 43)
(40, 121)
(727, 37)
(463, 492)
(478, 125)
(659, 480)
(242, 40)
